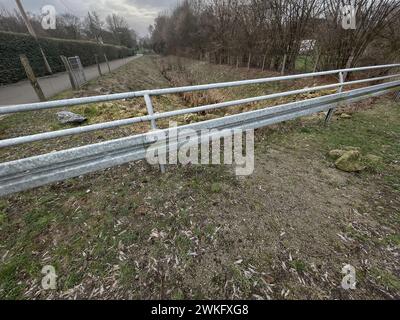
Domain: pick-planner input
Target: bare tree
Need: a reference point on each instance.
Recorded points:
(340, 47)
(262, 32)
(120, 29)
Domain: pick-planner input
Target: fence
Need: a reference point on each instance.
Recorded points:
(77, 70)
(40, 170)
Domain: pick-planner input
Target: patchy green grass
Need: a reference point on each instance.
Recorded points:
(305, 63)
(393, 239)
(375, 132)
(387, 279)
(216, 188)
(298, 265)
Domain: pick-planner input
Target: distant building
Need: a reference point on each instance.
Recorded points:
(307, 46)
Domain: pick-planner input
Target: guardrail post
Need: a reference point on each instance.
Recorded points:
(150, 112)
(332, 110)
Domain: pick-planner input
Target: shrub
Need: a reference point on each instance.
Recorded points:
(14, 44)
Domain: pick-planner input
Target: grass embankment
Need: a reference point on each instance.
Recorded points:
(200, 232)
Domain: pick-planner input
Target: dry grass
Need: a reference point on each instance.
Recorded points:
(199, 232)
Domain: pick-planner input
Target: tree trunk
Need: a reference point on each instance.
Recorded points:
(263, 64)
(284, 64)
(348, 65)
(272, 65)
(305, 63)
(249, 62)
(316, 63)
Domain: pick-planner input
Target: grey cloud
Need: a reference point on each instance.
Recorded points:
(139, 13)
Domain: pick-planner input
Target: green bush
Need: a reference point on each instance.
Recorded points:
(14, 44)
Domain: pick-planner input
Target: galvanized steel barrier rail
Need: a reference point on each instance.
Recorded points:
(39, 170)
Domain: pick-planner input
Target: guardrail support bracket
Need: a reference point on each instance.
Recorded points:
(150, 111)
(329, 116)
(340, 90)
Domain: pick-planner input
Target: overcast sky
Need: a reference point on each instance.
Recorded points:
(139, 13)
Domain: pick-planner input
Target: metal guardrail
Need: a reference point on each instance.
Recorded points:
(39, 170)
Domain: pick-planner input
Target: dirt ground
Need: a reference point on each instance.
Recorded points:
(200, 232)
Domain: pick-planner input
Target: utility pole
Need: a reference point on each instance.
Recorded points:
(26, 19)
(32, 33)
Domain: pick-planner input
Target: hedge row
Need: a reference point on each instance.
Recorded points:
(14, 44)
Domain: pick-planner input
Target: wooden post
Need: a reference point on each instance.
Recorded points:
(31, 76)
(249, 62)
(46, 63)
(284, 64)
(108, 64)
(69, 70)
(237, 62)
(98, 64)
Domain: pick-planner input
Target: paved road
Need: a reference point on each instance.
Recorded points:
(22, 92)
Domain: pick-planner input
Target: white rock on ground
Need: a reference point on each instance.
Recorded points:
(67, 117)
